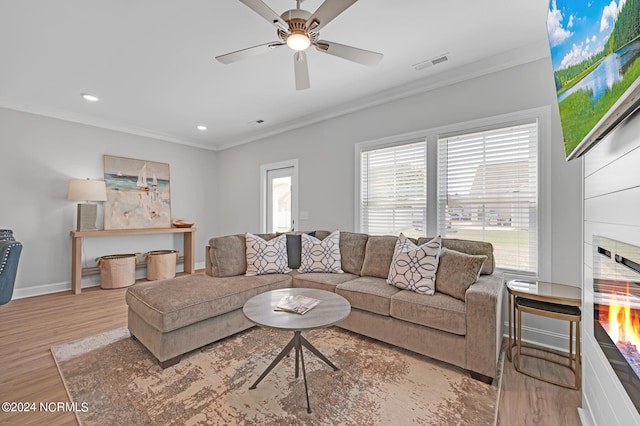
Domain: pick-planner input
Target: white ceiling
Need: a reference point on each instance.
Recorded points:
(151, 62)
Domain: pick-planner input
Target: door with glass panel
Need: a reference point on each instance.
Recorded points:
(280, 200)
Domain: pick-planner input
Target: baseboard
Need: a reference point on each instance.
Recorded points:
(585, 417)
(87, 282)
(21, 293)
(547, 339)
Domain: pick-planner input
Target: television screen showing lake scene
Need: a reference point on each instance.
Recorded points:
(595, 47)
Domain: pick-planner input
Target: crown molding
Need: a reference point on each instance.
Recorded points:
(103, 124)
(500, 62)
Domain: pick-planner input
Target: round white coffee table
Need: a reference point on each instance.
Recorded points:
(332, 309)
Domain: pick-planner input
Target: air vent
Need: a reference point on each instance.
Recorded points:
(440, 60)
(431, 62)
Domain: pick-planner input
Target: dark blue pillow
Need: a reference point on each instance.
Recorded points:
(294, 249)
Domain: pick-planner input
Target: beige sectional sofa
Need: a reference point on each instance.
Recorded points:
(173, 317)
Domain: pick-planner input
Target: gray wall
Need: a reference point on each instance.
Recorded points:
(611, 205)
(39, 156)
(326, 158)
(220, 191)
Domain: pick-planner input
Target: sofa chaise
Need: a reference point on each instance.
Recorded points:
(172, 317)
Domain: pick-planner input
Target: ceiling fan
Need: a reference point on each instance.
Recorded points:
(298, 29)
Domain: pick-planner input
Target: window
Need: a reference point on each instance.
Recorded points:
(490, 178)
(488, 191)
(393, 189)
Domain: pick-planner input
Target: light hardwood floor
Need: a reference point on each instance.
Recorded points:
(29, 327)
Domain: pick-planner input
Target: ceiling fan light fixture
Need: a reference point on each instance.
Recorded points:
(298, 41)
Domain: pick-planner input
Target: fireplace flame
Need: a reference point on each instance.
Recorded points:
(624, 323)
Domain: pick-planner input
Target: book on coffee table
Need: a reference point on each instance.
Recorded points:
(297, 304)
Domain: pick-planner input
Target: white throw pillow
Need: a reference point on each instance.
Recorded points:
(321, 256)
(266, 257)
(414, 267)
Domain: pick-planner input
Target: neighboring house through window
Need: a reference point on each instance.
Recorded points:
(488, 191)
(484, 184)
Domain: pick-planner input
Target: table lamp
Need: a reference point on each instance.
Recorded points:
(87, 190)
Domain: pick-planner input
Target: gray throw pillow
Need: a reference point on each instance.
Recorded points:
(294, 249)
(457, 272)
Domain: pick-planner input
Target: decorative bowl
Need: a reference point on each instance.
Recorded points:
(182, 223)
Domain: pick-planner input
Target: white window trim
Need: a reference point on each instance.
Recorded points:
(541, 114)
(264, 169)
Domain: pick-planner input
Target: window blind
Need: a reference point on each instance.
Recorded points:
(393, 190)
(488, 191)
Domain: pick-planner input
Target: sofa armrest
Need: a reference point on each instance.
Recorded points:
(484, 324)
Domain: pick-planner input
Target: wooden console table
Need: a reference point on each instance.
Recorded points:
(76, 248)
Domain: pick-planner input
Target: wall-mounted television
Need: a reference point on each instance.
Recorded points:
(595, 51)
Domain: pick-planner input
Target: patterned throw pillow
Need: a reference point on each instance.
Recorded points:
(321, 256)
(414, 267)
(266, 257)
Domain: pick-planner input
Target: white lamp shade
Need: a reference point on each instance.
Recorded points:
(87, 190)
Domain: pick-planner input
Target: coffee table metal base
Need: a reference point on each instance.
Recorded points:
(297, 342)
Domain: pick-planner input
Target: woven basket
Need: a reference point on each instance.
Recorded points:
(117, 270)
(161, 264)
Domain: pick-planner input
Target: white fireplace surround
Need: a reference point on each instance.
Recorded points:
(611, 190)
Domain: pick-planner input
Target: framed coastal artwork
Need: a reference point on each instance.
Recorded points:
(138, 194)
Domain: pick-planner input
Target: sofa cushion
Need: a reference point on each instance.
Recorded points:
(266, 257)
(321, 235)
(321, 280)
(377, 256)
(352, 249)
(321, 256)
(414, 267)
(470, 247)
(457, 271)
(368, 293)
(228, 254)
(439, 311)
(171, 304)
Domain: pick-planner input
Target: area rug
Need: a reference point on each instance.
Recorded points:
(116, 381)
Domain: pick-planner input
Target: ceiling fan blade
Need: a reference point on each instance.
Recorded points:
(301, 70)
(259, 7)
(238, 55)
(326, 13)
(361, 56)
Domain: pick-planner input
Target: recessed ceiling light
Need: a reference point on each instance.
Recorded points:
(89, 97)
(201, 127)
